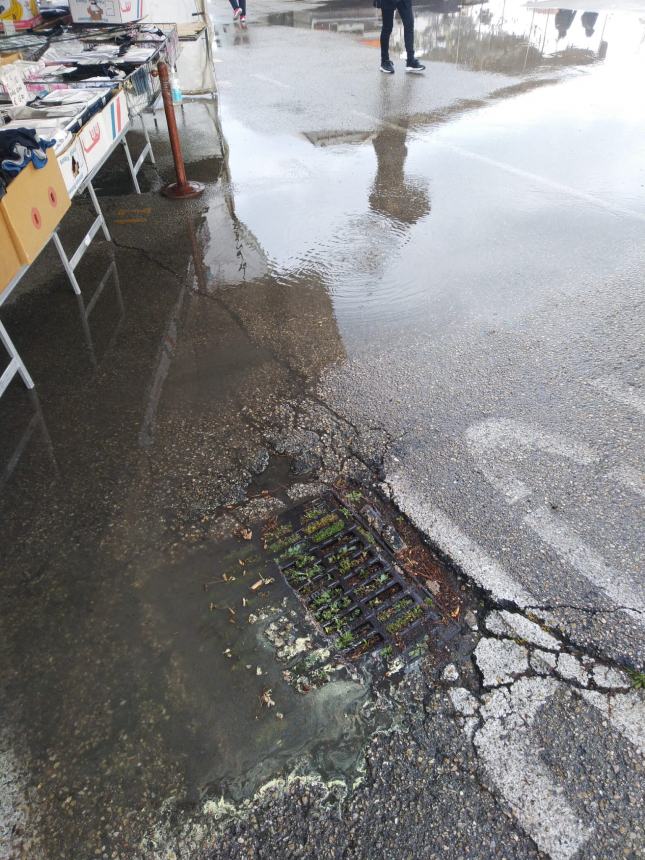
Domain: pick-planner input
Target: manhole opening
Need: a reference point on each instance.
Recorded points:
(348, 578)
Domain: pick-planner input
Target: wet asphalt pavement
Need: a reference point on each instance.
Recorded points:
(429, 285)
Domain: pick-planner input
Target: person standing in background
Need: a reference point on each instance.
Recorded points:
(239, 10)
(404, 8)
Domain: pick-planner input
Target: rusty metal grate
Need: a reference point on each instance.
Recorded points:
(347, 578)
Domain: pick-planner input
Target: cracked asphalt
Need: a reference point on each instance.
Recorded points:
(427, 286)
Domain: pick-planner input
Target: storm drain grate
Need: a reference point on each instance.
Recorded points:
(347, 578)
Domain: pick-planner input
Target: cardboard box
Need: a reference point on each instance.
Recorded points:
(95, 140)
(105, 11)
(73, 166)
(22, 14)
(33, 206)
(116, 115)
(9, 259)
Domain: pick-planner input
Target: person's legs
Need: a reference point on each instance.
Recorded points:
(387, 16)
(404, 8)
(234, 4)
(243, 7)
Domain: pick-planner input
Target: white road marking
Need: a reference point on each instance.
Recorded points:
(625, 711)
(500, 433)
(621, 392)
(464, 552)
(632, 479)
(535, 178)
(508, 755)
(590, 564)
(273, 82)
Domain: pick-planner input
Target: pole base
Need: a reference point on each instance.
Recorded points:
(175, 191)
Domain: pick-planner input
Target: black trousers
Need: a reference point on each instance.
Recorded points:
(404, 8)
(238, 5)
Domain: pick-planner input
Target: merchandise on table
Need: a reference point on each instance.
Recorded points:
(20, 146)
(48, 129)
(23, 14)
(106, 11)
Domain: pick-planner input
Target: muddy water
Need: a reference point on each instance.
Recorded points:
(124, 686)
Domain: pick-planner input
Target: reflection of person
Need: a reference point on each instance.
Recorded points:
(239, 10)
(404, 8)
(563, 20)
(588, 21)
(392, 194)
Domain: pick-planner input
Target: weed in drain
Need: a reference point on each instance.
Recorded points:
(369, 643)
(354, 496)
(386, 652)
(385, 596)
(369, 587)
(392, 610)
(312, 514)
(429, 601)
(332, 610)
(345, 640)
(419, 649)
(330, 531)
(320, 524)
(325, 596)
(279, 545)
(300, 577)
(365, 534)
(638, 679)
(341, 625)
(405, 620)
(278, 532)
(291, 553)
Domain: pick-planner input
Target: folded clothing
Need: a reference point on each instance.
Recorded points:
(20, 147)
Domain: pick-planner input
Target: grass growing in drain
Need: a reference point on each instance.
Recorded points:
(299, 577)
(345, 639)
(365, 534)
(341, 625)
(405, 620)
(330, 531)
(279, 545)
(321, 523)
(326, 596)
(312, 514)
(345, 565)
(391, 610)
(293, 552)
(638, 679)
(354, 497)
(278, 532)
(332, 610)
(368, 587)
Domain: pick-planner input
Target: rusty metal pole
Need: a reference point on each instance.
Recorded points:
(183, 188)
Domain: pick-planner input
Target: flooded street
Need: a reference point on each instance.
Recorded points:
(424, 292)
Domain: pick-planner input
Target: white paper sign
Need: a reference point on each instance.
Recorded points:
(11, 80)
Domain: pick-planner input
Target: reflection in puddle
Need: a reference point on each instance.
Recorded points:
(498, 35)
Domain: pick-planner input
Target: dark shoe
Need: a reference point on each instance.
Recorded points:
(414, 66)
(387, 67)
